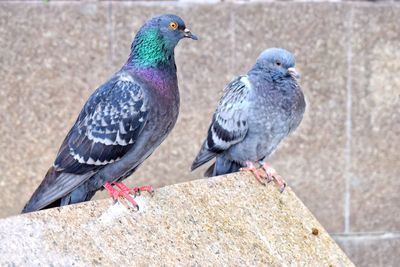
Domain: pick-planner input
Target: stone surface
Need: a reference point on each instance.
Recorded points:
(372, 250)
(54, 55)
(229, 220)
(375, 139)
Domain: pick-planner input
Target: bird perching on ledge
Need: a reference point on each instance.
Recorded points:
(255, 113)
(122, 122)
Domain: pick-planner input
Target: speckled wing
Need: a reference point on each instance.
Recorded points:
(107, 127)
(229, 124)
(104, 132)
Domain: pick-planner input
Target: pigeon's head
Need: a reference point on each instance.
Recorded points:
(156, 40)
(277, 61)
(172, 29)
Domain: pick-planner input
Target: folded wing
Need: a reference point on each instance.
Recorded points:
(104, 132)
(229, 124)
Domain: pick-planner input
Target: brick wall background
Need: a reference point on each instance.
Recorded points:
(343, 161)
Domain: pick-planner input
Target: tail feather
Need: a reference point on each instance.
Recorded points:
(222, 166)
(53, 188)
(210, 171)
(203, 157)
(31, 205)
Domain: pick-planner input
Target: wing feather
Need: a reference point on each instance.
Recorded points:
(229, 124)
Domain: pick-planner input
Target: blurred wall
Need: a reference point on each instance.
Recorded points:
(343, 161)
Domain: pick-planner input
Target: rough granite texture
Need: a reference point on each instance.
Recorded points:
(375, 157)
(231, 220)
(342, 161)
(371, 249)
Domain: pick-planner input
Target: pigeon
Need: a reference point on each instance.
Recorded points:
(121, 123)
(255, 113)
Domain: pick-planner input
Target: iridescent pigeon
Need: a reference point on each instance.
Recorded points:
(122, 122)
(255, 113)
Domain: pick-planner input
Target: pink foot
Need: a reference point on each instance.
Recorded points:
(274, 176)
(256, 172)
(136, 190)
(125, 192)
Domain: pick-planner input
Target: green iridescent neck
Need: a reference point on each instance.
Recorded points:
(148, 50)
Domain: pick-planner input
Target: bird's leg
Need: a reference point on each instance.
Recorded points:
(256, 172)
(112, 191)
(115, 194)
(274, 176)
(136, 190)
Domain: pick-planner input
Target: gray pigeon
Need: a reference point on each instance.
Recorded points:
(255, 113)
(122, 122)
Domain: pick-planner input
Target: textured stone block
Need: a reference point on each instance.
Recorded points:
(372, 251)
(221, 221)
(54, 55)
(375, 139)
(311, 160)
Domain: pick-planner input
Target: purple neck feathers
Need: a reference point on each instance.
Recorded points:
(163, 80)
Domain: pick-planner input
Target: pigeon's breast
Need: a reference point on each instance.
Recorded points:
(164, 106)
(163, 97)
(165, 114)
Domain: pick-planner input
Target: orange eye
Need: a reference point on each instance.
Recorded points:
(173, 25)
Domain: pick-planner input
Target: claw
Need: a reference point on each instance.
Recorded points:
(274, 176)
(138, 190)
(130, 199)
(282, 188)
(147, 188)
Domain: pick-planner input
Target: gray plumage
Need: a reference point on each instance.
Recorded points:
(254, 114)
(122, 122)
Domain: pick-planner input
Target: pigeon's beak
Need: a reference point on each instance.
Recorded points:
(188, 34)
(293, 72)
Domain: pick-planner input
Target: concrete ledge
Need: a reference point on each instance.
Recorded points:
(226, 220)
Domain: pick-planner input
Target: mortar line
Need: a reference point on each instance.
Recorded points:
(347, 199)
(366, 236)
